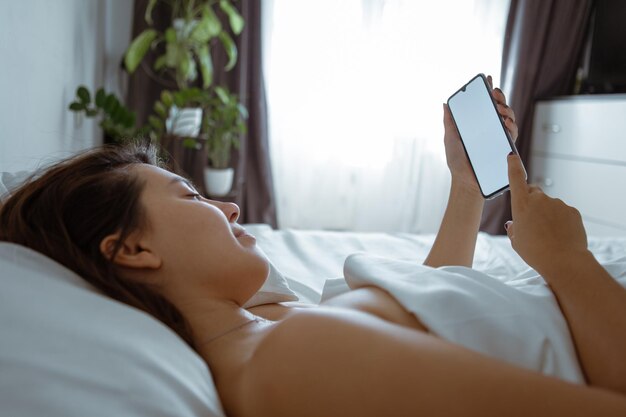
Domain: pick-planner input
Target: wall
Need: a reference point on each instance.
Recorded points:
(47, 49)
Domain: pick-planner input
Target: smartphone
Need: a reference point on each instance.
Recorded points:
(485, 138)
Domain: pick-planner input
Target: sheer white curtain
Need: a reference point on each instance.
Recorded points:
(355, 91)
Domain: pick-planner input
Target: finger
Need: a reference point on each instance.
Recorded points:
(447, 116)
(498, 96)
(517, 182)
(512, 128)
(506, 111)
(490, 81)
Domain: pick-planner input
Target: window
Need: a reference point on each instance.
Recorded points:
(355, 91)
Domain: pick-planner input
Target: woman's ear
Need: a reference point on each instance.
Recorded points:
(131, 254)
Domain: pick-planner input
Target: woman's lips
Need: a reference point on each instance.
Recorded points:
(241, 233)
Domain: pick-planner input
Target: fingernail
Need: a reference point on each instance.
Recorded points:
(511, 153)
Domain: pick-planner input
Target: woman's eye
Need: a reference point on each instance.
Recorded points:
(196, 196)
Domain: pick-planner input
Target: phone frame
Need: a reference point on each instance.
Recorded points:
(506, 133)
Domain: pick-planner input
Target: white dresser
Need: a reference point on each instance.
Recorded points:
(578, 154)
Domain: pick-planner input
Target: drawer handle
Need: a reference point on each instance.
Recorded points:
(551, 128)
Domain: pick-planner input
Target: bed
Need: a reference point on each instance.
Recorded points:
(307, 258)
(67, 350)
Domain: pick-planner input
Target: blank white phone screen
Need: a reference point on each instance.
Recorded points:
(483, 135)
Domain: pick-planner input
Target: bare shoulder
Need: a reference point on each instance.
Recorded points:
(302, 357)
(336, 362)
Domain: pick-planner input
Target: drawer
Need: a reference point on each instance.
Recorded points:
(596, 190)
(584, 128)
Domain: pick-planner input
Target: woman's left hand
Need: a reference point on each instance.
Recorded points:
(455, 155)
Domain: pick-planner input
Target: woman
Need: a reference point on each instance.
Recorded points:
(146, 237)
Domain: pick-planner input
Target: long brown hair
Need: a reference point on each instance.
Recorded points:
(67, 211)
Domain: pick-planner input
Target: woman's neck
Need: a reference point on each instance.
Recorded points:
(219, 323)
(226, 336)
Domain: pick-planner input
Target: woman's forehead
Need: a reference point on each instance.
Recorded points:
(154, 175)
(159, 179)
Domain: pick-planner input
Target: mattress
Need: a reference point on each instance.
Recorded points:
(307, 258)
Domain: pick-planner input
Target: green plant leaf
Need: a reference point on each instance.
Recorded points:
(172, 54)
(148, 14)
(160, 62)
(206, 65)
(182, 96)
(110, 104)
(160, 109)
(167, 99)
(189, 143)
(76, 106)
(222, 94)
(100, 96)
(208, 27)
(216, 25)
(170, 35)
(156, 123)
(179, 99)
(83, 94)
(129, 122)
(234, 18)
(91, 112)
(138, 49)
(118, 113)
(231, 50)
(187, 66)
(242, 110)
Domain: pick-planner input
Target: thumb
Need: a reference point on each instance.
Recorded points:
(447, 116)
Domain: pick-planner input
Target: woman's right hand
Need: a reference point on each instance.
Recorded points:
(544, 230)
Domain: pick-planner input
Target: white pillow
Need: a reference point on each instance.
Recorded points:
(9, 181)
(274, 290)
(67, 350)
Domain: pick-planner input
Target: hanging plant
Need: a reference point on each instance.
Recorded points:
(188, 41)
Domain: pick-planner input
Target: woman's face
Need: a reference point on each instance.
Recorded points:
(203, 251)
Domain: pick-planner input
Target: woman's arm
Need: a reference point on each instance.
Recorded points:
(324, 364)
(550, 237)
(456, 239)
(594, 305)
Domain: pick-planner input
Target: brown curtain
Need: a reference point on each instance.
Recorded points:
(253, 185)
(253, 175)
(543, 44)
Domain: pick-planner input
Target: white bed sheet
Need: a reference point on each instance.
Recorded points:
(307, 258)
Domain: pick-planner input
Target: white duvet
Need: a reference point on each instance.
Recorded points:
(517, 320)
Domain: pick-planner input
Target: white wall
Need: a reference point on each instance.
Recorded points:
(47, 49)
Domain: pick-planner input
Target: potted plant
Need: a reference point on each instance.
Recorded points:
(224, 122)
(186, 51)
(116, 120)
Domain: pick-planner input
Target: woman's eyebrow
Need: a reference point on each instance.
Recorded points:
(177, 180)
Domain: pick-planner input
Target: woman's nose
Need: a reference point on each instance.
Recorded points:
(231, 210)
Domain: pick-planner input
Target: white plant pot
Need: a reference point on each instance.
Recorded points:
(218, 182)
(185, 122)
